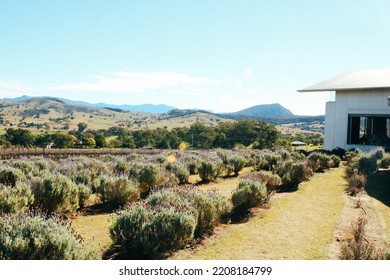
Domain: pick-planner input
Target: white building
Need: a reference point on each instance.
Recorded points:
(360, 115)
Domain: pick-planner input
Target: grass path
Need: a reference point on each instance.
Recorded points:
(94, 230)
(299, 225)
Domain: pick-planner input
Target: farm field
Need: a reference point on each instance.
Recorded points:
(216, 204)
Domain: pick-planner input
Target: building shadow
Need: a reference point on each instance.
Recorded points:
(378, 186)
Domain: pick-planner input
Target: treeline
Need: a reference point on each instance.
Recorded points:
(277, 119)
(244, 133)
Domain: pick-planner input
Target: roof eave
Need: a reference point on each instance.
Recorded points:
(341, 89)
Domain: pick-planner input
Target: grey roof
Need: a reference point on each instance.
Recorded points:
(368, 79)
(298, 143)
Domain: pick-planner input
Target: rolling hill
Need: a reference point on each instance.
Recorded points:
(40, 113)
(54, 114)
(144, 108)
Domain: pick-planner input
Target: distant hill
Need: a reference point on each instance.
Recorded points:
(266, 110)
(144, 108)
(54, 114)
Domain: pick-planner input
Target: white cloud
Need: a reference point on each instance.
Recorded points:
(12, 89)
(248, 74)
(139, 82)
(12, 86)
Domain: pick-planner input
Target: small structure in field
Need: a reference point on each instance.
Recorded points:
(360, 115)
(296, 144)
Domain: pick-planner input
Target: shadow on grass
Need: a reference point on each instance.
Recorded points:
(117, 253)
(286, 189)
(378, 186)
(237, 216)
(97, 209)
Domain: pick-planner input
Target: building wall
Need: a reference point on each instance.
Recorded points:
(329, 125)
(372, 101)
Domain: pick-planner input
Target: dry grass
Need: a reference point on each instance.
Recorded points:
(94, 230)
(98, 118)
(298, 226)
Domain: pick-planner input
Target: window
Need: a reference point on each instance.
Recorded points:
(369, 130)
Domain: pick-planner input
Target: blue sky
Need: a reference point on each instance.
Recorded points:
(219, 55)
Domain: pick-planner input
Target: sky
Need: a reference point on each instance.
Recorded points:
(219, 55)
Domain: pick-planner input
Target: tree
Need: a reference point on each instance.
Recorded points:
(63, 141)
(43, 140)
(19, 137)
(100, 140)
(81, 127)
(201, 136)
(128, 142)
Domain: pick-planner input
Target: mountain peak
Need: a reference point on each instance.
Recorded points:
(265, 110)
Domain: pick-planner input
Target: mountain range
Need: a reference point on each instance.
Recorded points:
(265, 110)
(144, 108)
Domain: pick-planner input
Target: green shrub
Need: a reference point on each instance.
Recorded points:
(144, 230)
(55, 193)
(169, 199)
(169, 229)
(249, 194)
(180, 171)
(319, 162)
(149, 176)
(335, 161)
(27, 167)
(121, 168)
(385, 161)
(236, 163)
(10, 175)
(127, 227)
(293, 173)
(356, 183)
(351, 155)
(116, 190)
(210, 207)
(43, 164)
(84, 194)
(75, 173)
(37, 238)
(352, 167)
(209, 170)
(270, 180)
(267, 161)
(134, 169)
(15, 199)
(378, 154)
(193, 167)
(367, 164)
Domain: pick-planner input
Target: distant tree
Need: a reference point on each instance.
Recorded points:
(143, 138)
(128, 142)
(81, 127)
(115, 143)
(202, 137)
(63, 141)
(19, 137)
(267, 135)
(89, 142)
(4, 143)
(100, 140)
(43, 140)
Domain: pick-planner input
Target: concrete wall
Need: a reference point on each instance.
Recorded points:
(372, 101)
